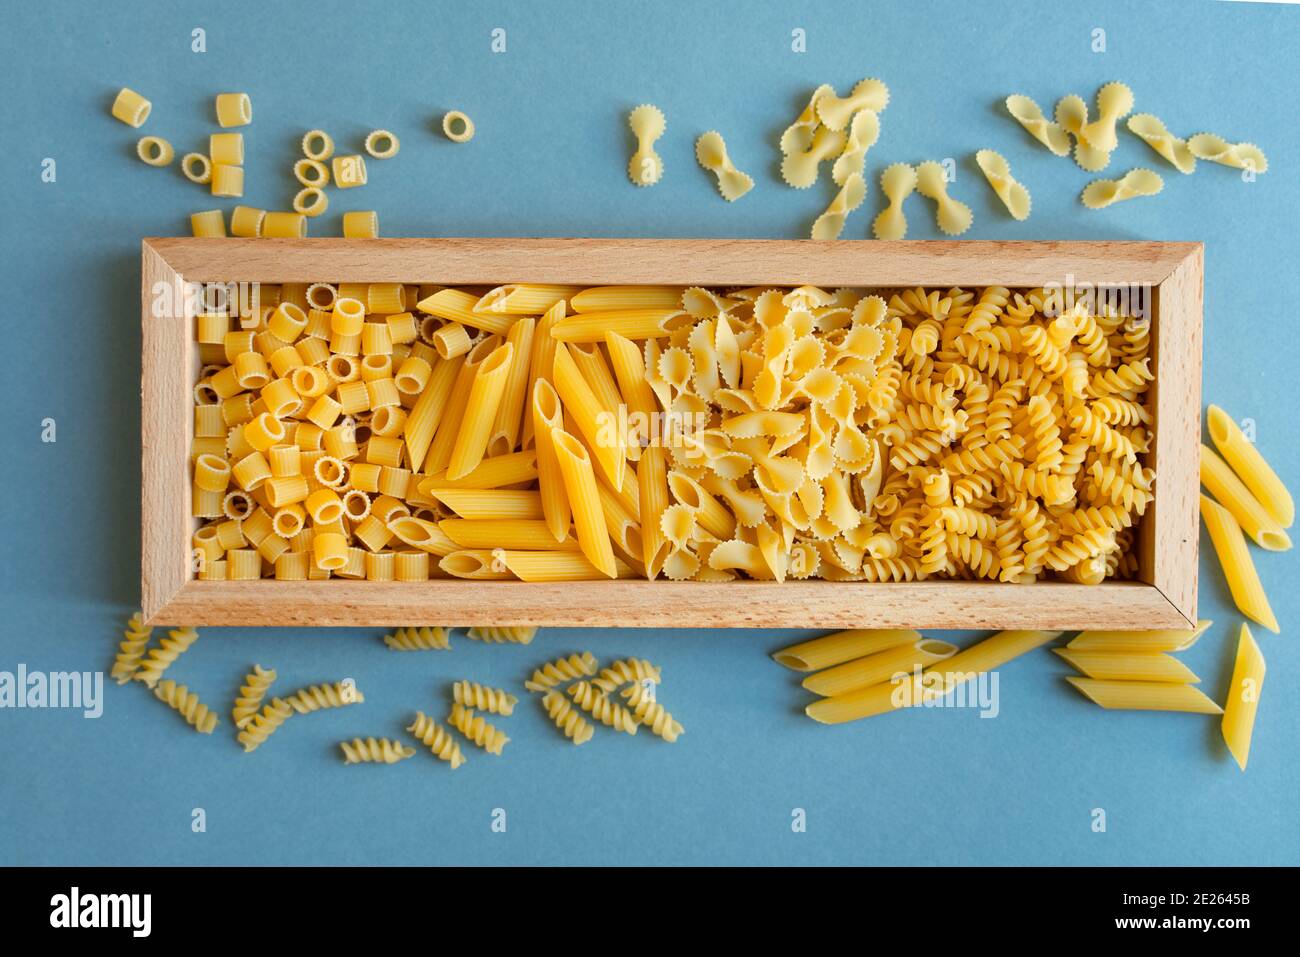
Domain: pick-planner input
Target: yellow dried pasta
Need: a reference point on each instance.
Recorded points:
(131, 650)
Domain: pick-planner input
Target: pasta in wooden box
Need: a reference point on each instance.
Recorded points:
(643, 432)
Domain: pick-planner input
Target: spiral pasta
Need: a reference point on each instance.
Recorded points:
(437, 739)
(251, 694)
(608, 712)
(264, 724)
(652, 714)
(518, 635)
(475, 727)
(471, 694)
(317, 697)
(562, 669)
(187, 703)
(374, 751)
(131, 650)
(178, 640)
(621, 672)
(434, 638)
(567, 718)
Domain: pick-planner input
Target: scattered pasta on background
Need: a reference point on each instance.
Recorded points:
(646, 168)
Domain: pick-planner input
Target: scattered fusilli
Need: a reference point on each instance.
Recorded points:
(437, 739)
(251, 693)
(651, 713)
(374, 751)
(435, 638)
(195, 712)
(131, 650)
(520, 635)
(567, 718)
(492, 700)
(264, 724)
(316, 697)
(473, 726)
(168, 650)
(621, 672)
(607, 712)
(560, 670)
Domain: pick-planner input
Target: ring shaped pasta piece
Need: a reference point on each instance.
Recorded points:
(457, 127)
(311, 172)
(312, 151)
(131, 108)
(203, 175)
(234, 109)
(154, 150)
(382, 144)
(310, 201)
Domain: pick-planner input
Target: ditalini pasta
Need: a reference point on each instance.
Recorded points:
(457, 127)
(131, 650)
(1243, 697)
(154, 150)
(382, 144)
(544, 432)
(234, 109)
(1238, 568)
(131, 108)
(1250, 467)
(1145, 695)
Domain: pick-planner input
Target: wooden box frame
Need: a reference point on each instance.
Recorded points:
(1166, 596)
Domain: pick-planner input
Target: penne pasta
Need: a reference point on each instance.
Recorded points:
(584, 500)
(490, 503)
(610, 298)
(504, 434)
(1148, 642)
(1243, 697)
(629, 323)
(1236, 498)
(523, 298)
(476, 564)
(1120, 666)
(878, 667)
(510, 533)
(556, 566)
(934, 682)
(458, 306)
(541, 364)
(652, 487)
(426, 414)
(517, 468)
(421, 534)
(590, 416)
(842, 646)
(1251, 467)
(475, 427)
(1234, 557)
(1145, 695)
(444, 439)
(546, 416)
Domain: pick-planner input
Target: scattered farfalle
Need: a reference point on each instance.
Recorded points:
(1153, 132)
(864, 131)
(1216, 149)
(997, 171)
(1101, 193)
(1030, 115)
(800, 169)
(897, 183)
(836, 111)
(953, 216)
(1114, 101)
(1072, 116)
(711, 153)
(648, 124)
(798, 136)
(830, 224)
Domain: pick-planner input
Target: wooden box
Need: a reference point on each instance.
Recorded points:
(1164, 597)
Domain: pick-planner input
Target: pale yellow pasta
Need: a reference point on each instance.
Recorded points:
(1121, 666)
(159, 659)
(624, 671)
(310, 201)
(317, 145)
(284, 225)
(251, 692)
(197, 168)
(475, 727)
(1153, 132)
(556, 672)
(1250, 467)
(651, 713)
(608, 712)
(437, 739)
(567, 718)
(1139, 642)
(209, 223)
(488, 504)
(1114, 101)
(131, 108)
(499, 634)
(178, 697)
(419, 639)
(131, 650)
(348, 171)
(711, 154)
(374, 751)
(471, 694)
(897, 182)
(523, 298)
(880, 666)
(1243, 697)
(382, 144)
(263, 724)
(934, 682)
(155, 151)
(457, 127)
(234, 109)
(1136, 182)
(226, 149)
(584, 500)
(317, 697)
(799, 169)
(953, 216)
(1145, 695)
(481, 564)
(864, 131)
(246, 221)
(227, 180)
(1012, 193)
(836, 111)
(1216, 149)
(361, 224)
(1238, 568)
(1030, 115)
(830, 224)
(646, 168)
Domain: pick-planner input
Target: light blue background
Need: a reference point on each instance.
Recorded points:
(549, 159)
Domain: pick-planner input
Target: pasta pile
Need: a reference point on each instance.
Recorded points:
(547, 433)
(133, 664)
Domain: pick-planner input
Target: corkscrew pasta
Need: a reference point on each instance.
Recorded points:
(609, 713)
(256, 683)
(567, 718)
(374, 751)
(475, 727)
(437, 739)
(263, 724)
(187, 704)
(316, 697)
(560, 670)
(517, 635)
(419, 639)
(471, 694)
(652, 714)
(628, 669)
(131, 650)
(161, 658)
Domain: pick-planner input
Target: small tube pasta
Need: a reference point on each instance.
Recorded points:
(1118, 666)
(154, 150)
(1145, 695)
(584, 500)
(209, 223)
(227, 180)
(349, 171)
(131, 108)
(197, 168)
(878, 667)
(485, 396)
(457, 127)
(1251, 467)
(1243, 697)
(284, 225)
(246, 221)
(226, 149)
(1237, 499)
(1238, 568)
(317, 145)
(361, 224)
(382, 144)
(234, 109)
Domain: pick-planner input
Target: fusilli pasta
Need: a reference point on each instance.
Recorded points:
(178, 640)
(518, 635)
(471, 694)
(651, 713)
(434, 638)
(251, 694)
(475, 727)
(621, 672)
(567, 718)
(608, 712)
(437, 739)
(316, 697)
(131, 650)
(264, 724)
(561, 670)
(195, 712)
(374, 751)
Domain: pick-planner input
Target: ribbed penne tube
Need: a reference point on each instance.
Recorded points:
(1121, 666)
(516, 468)
(448, 431)
(471, 694)
(881, 666)
(556, 566)
(933, 683)
(652, 482)
(547, 416)
(590, 416)
(584, 500)
(610, 298)
(484, 398)
(541, 364)
(525, 534)
(629, 323)
(523, 298)
(131, 650)
(490, 503)
(1251, 467)
(1238, 568)
(475, 564)
(458, 306)
(1145, 695)
(422, 534)
(317, 697)
(712, 515)
(374, 751)
(422, 421)
(1117, 642)
(622, 527)
(475, 727)
(437, 739)
(587, 356)
(1224, 485)
(1243, 697)
(251, 693)
(560, 670)
(504, 433)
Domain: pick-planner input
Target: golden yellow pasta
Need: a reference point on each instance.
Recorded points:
(317, 145)
(131, 108)
(1139, 642)
(177, 642)
(374, 751)
(419, 639)
(361, 224)
(263, 724)
(457, 127)
(609, 713)
(1122, 666)
(131, 650)
(1250, 467)
(1238, 567)
(476, 728)
(348, 171)
(234, 109)
(497, 634)
(651, 713)
(154, 150)
(471, 694)
(246, 221)
(1243, 697)
(1146, 695)
(711, 154)
(880, 666)
(197, 168)
(227, 180)
(382, 144)
(209, 223)
(567, 718)
(556, 672)
(336, 695)
(842, 646)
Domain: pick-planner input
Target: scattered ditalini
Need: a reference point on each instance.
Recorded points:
(1101, 193)
(1030, 115)
(131, 650)
(897, 182)
(864, 131)
(197, 168)
(1243, 697)
(317, 145)
(1154, 133)
(434, 638)
(256, 683)
(997, 171)
(154, 150)
(382, 144)
(711, 154)
(437, 739)
(233, 109)
(952, 216)
(310, 201)
(457, 127)
(361, 224)
(646, 168)
(1216, 149)
(374, 751)
(497, 634)
(131, 108)
(198, 715)
(830, 224)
